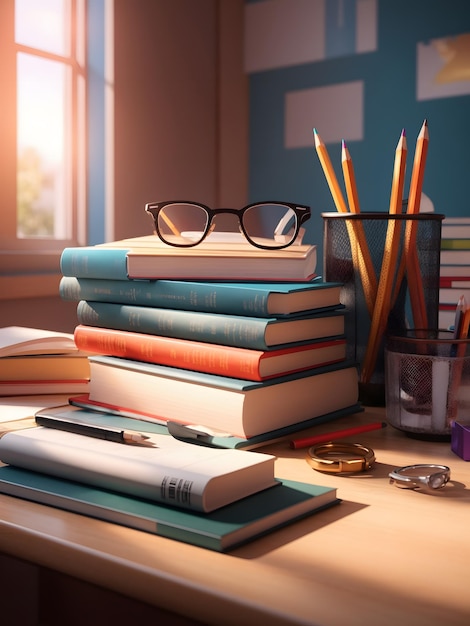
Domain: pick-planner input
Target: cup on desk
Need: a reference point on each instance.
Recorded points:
(341, 265)
(427, 382)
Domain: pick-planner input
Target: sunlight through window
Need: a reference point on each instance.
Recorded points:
(46, 116)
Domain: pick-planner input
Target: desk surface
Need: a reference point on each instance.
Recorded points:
(386, 556)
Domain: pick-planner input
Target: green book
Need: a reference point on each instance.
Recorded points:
(221, 530)
(82, 411)
(240, 331)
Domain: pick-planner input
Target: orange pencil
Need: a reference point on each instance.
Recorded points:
(389, 261)
(357, 239)
(459, 350)
(349, 179)
(369, 280)
(410, 256)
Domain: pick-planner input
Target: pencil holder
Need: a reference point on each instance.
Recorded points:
(356, 248)
(427, 382)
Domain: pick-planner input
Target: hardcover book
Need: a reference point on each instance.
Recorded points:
(210, 357)
(168, 470)
(41, 387)
(229, 330)
(146, 257)
(256, 299)
(44, 367)
(221, 530)
(83, 411)
(240, 407)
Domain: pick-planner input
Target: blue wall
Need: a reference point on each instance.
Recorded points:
(390, 104)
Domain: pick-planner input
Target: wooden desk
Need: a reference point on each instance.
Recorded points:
(384, 556)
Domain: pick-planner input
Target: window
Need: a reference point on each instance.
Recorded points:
(43, 194)
(49, 141)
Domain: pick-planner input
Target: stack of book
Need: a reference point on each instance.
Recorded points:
(213, 498)
(455, 267)
(239, 362)
(34, 361)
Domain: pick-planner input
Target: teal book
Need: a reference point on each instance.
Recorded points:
(229, 330)
(84, 412)
(255, 299)
(221, 530)
(95, 262)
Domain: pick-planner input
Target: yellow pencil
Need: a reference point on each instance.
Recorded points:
(359, 248)
(368, 276)
(389, 261)
(410, 254)
(329, 172)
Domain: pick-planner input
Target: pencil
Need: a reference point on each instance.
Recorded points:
(359, 248)
(98, 432)
(458, 350)
(389, 261)
(459, 313)
(409, 258)
(337, 434)
(368, 276)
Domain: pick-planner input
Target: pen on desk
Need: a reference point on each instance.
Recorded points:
(98, 432)
(338, 434)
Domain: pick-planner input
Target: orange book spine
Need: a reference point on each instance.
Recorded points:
(192, 355)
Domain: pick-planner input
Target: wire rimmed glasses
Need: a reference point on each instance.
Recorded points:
(267, 225)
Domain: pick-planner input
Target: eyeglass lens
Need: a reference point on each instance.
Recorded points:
(266, 224)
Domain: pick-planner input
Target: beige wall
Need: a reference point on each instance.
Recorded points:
(181, 121)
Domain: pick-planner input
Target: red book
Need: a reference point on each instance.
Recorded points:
(210, 358)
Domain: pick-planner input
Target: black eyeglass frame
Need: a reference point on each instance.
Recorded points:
(302, 214)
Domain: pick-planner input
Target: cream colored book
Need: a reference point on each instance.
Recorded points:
(22, 340)
(168, 471)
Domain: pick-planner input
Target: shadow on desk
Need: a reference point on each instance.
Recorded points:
(294, 531)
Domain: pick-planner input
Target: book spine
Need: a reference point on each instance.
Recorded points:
(193, 355)
(86, 262)
(227, 330)
(180, 295)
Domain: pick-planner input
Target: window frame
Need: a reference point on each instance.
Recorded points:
(30, 267)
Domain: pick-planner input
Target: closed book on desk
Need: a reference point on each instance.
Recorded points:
(42, 387)
(44, 367)
(230, 330)
(221, 530)
(257, 299)
(171, 471)
(82, 411)
(211, 358)
(240, 407)
(147, 257)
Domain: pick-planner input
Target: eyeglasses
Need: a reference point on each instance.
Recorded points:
(268, 225)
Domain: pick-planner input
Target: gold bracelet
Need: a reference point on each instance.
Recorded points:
(339, 458)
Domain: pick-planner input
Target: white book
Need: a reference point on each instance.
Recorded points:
(455, 270)
(22, 340)
(169, 471)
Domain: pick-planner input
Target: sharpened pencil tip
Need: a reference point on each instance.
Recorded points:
(315, 132)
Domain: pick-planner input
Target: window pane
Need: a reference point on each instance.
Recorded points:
(43, 24)
(43, 148)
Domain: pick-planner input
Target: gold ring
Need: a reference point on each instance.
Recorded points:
(339, 458)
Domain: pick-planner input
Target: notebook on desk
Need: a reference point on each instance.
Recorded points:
(221, 530)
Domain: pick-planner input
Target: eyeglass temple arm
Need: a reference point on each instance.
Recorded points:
(169, 223)
(283, 221)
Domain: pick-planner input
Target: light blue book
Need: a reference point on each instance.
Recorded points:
(256, 299)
